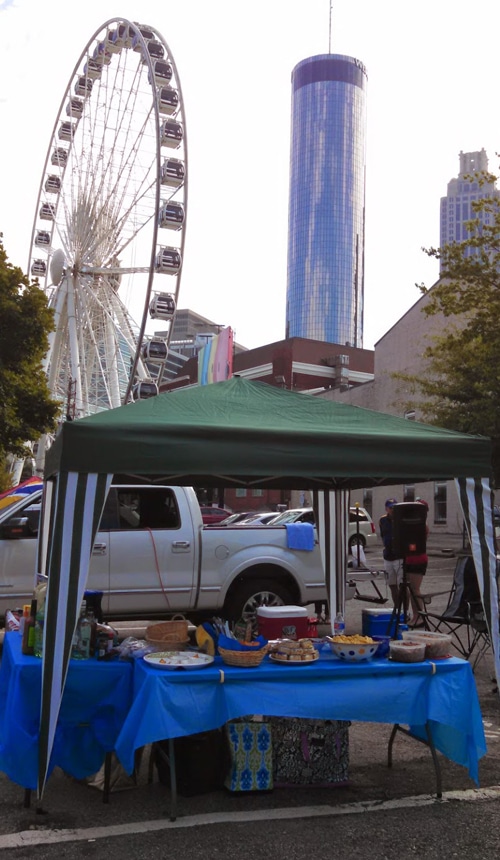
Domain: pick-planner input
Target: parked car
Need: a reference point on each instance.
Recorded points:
(211, 515)
(235, 518)
(256, 519)
(367, 532)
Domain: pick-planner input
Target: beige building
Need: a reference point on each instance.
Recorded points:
(401, 350)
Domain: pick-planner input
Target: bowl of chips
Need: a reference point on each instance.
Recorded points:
(353, 649)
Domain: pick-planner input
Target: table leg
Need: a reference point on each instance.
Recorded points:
(157, 750)
(428, 743)
(173, 780)
(107, 777)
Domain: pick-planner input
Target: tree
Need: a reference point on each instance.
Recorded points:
(461, 383)
(26, 408)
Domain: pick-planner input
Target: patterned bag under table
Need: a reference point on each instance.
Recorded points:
(251, 756)
(309, 752)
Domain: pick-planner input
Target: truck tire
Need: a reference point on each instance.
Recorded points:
(244, 601)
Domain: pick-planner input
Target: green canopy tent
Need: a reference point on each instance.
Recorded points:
(245, 434)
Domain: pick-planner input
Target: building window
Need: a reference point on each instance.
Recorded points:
(240, 493)
(440, 512)
(368, 501)
(257, 493)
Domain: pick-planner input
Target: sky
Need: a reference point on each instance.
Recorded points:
(433, 82)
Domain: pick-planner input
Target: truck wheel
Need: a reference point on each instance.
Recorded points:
(245, 601)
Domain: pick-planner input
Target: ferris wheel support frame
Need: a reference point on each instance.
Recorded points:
(85, 204)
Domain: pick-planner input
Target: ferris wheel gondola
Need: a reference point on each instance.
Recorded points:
(115, 175)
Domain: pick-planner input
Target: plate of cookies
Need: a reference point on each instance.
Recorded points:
(293, 651)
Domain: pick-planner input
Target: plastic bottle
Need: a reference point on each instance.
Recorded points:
(28, 643)
(339, 625)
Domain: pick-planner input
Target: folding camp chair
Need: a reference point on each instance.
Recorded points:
(463, 617)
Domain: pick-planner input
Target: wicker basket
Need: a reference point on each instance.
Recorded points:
(171, 635)
(243, 658)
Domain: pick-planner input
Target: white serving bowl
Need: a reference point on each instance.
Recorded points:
(354, 653)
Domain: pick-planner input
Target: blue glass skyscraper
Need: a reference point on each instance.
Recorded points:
(326, 222)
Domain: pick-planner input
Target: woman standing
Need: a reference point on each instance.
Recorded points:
(415, 567)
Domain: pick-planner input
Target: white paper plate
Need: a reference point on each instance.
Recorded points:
(178, 660)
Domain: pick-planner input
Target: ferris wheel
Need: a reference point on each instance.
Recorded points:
(109, 226)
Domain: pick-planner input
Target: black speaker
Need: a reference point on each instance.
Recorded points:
(409, 529)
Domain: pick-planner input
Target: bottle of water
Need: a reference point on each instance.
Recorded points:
(339, 625)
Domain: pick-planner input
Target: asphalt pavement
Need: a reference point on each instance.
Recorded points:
(383, 813)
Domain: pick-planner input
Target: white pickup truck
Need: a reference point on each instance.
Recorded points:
(153, 557)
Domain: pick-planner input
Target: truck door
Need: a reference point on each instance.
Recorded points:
(152, 555)
(18, 545)
(18, 549)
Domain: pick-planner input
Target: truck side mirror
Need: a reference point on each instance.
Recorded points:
(16, 527)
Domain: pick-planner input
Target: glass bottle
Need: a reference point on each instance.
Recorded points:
(82, 635)
(90, 616)
(28, 642)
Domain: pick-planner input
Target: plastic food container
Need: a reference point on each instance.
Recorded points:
(407, 651)
(436, 644)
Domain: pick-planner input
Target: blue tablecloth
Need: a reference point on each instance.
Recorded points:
(96, 700)
(441, 694)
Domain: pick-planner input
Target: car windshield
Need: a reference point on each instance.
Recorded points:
(234, 518)
(287, 517)
(258, 518)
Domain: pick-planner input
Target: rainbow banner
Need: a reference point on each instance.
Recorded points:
(15, 493)
(215, 360)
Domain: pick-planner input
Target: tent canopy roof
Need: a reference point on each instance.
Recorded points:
(245, 433)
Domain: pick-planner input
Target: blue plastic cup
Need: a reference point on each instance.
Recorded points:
(383, 648)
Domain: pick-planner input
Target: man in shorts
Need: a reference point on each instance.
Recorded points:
(393, 565)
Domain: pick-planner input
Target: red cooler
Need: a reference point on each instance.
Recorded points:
(283, 622)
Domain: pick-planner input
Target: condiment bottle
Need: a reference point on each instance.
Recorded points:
(24, 616)
(28, 643)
